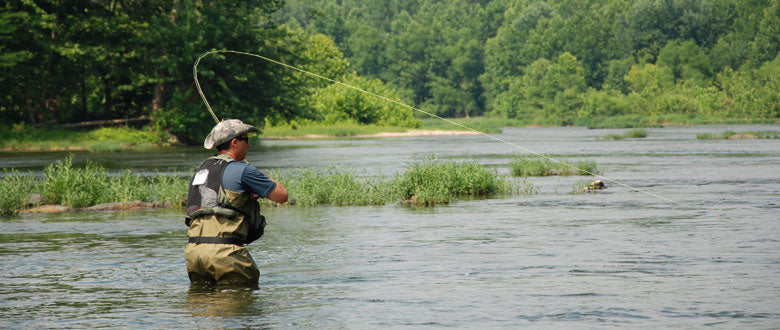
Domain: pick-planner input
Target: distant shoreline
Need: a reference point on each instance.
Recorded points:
(414, 132)
(409, 133)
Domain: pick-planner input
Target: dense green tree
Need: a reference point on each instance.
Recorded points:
(24, 55)
(544, 61)
(766, 45)
(337, 103)
(237, 86)
(650, 79)
(455, 58)
(752, 93)
(407, 67)
(650, 24)
(502, 64)
(687, 62)
(78, 55)
(120, 59)
(366, 44)
(549, 92)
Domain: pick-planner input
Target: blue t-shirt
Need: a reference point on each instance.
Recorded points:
(242, 177)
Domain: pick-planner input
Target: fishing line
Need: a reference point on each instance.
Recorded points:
(200, 91)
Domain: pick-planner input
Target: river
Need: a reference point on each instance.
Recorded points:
(709, 258)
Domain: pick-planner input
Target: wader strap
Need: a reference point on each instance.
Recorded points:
(216, 240)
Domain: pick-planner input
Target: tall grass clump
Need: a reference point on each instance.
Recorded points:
(64, 184)
(636, 133)
(519, 186)
(162, 188)
(334, 186)
(347, 189)
(425, 183)
(125, 187)
(580, 187)
(75, 187)
(525, 166)
(168, 189)
(437, 183)
(15, 188)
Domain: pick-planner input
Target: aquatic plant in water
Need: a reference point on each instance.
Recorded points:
(75, 187)
(423, 183)
(64, 184)
(15, 188)
(436, 183)
(335, 186)
(525, 166)
(729, 134)
(636, 133)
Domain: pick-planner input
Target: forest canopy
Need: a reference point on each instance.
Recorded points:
(540, 62)
(553, 62)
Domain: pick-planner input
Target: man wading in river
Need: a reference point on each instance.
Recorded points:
(222, 209)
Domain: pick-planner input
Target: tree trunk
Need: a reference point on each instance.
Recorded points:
(108, 122)
(107, 91)
(84, 107)
(159, 97)
(29, 106)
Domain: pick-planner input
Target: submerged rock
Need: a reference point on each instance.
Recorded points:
(34, 199)
(47, 209)
(118, 206)
(597, 185)
(132, 205)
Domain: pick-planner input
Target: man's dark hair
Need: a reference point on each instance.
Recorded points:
(224, 146)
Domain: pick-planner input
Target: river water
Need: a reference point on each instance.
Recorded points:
(710, 258)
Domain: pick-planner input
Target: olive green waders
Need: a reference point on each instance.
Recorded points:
(219, 262)
(220, 223)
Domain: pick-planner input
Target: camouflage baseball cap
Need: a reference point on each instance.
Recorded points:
(225, 131)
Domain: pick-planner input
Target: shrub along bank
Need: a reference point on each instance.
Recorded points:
(105, 139)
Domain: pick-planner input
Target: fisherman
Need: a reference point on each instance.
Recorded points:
(222, 209)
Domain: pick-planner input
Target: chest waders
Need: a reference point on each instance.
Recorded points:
(220, 223)
(207, 199)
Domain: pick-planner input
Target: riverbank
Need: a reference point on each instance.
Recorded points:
(117, 139)
(21, 137)
(409, 133)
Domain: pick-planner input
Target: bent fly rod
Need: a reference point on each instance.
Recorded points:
(517, 146)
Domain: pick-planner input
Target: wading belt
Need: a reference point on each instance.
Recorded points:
(216, 240)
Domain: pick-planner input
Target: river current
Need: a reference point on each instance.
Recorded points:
(709, 258)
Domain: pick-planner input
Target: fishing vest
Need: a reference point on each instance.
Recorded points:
(217, 215)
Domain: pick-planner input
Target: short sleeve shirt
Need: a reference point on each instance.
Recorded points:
(242, 177)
